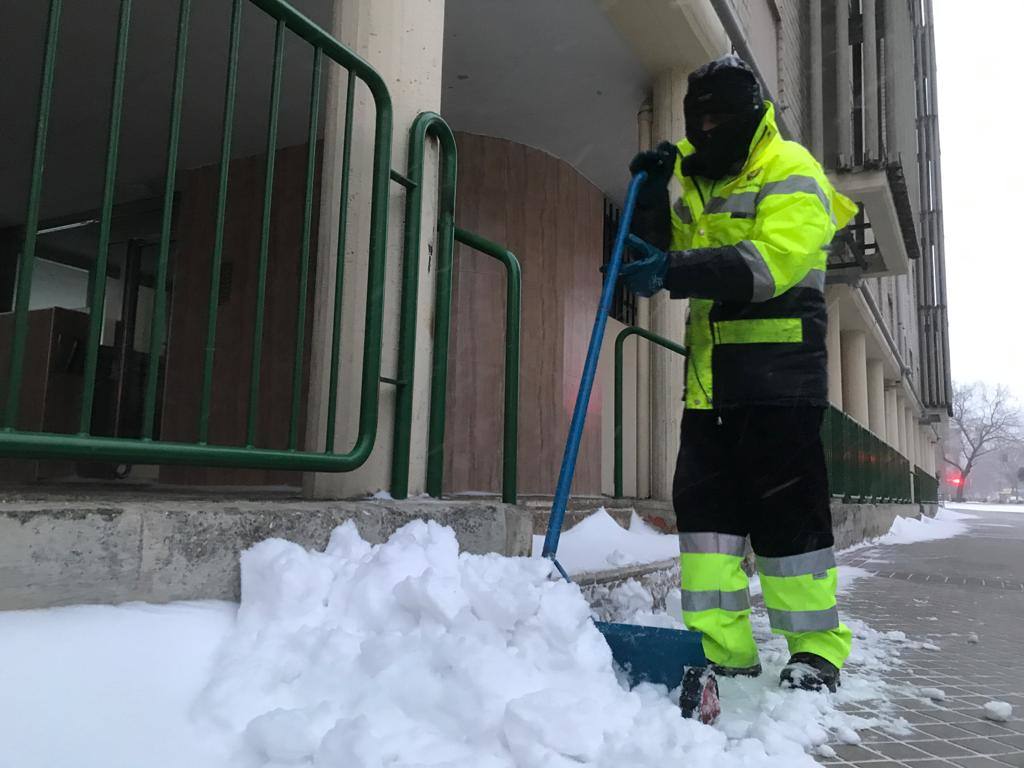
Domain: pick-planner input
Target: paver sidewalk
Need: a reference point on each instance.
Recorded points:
(941, 592)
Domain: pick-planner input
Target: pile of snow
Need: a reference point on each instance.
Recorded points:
(405, 653)
(946, 524)
(598, 543)
(409, 653)
(999, 711)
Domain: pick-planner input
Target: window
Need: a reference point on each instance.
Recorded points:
(624, 302)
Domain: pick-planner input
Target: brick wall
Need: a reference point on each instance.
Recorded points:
(778, 34)
(795, 64)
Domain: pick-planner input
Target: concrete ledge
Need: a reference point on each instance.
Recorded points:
(854, 523)
(61, 551)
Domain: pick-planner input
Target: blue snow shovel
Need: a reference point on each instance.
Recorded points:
(668, 657)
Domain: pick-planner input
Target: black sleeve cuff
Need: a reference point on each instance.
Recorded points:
(651, 218)
(719, 274)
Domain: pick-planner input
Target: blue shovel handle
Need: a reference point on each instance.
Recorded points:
(579, 414)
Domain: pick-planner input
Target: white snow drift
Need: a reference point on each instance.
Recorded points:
(598, 543)
(403, 654)
(409, 654)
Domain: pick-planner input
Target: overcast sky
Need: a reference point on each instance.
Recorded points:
(980, 119)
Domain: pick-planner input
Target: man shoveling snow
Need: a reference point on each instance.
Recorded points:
(744, 240)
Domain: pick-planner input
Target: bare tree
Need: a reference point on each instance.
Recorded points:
(983, 422)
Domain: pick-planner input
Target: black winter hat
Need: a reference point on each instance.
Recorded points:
(725, 86)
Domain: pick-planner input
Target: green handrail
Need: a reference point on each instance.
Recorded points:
(510, 438)
(624, 334)
(861, 466)
(43, 445)
(425, 124)
(432, 124)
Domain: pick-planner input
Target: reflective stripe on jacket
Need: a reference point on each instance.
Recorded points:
(756, 332)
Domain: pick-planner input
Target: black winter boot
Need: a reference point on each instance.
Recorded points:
(698, 695)
(809, 672)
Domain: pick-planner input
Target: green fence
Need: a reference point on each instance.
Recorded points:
(149, 448)
(861, 466)
(926, 487)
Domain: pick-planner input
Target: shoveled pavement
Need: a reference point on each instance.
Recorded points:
(941, 592)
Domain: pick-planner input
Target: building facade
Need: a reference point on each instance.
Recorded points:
(209, 179)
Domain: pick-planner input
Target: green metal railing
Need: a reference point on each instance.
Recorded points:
(431, 124)
(861, 466)
(40, 445)
(149, 449)
(510, 426)
(426, 124)
(624, 334)
(926, 487)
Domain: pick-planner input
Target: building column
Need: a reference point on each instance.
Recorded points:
(853, 345)
(901, 424)
(833, 345)
(404, 43)
(911, 431)
(667, 316)
(876, 397)
(892, 417)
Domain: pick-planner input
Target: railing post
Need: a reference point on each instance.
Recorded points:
(513, 311)
(98, 273)
(620, 339)
(426, 123)
(617, 423)
(23, 289)
(159, 321)
(228, 121)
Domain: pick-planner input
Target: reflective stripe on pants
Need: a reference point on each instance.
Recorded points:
(715, 596)
(800, 596)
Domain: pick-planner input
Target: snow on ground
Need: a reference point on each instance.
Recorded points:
(403, 654)
(756, 709)
(999, 711)
(946, 524)
(598, 543)
(108, 685)
(972, 506)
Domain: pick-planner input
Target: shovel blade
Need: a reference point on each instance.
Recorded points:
(653, 654)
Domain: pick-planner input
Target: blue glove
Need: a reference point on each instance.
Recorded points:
(645, 276)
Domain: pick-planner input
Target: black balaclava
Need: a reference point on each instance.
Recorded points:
(726, 86)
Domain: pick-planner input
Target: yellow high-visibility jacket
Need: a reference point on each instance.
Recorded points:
(750, 252)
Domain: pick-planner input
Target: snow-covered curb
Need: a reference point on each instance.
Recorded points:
(599, 545)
